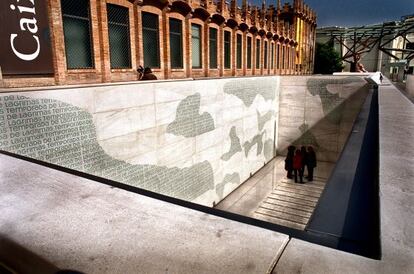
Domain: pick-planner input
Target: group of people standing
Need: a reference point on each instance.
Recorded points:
(297, 159)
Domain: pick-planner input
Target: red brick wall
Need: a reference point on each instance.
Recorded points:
(102, 71)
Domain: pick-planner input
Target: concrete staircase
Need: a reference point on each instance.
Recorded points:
(291, 204)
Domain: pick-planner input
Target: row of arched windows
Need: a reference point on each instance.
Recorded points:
(170, 44)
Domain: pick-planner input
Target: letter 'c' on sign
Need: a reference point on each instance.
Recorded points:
(26, 57)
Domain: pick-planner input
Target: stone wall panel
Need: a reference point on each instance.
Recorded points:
(168, 137)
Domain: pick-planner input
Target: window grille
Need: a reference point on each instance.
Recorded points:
(150, 40)
(257, 53)
(249, 52)
(119, 43)
(176, 49)
(272, 59)
(278, 56)
(293, 57)
(227, 47)
(265, 54)
(76, 30)
(288, 58)
(213, 47)
(196, 45)
(239, 51)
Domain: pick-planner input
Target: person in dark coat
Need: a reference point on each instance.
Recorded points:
(289, 161)
(304, 158)
(297, 166)
(311, 162)
(148, 75)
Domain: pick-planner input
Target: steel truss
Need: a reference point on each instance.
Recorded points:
(361, 40)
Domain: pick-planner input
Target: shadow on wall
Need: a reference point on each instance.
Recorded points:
(325, 118)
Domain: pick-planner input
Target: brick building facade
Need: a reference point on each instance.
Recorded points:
(97, 41)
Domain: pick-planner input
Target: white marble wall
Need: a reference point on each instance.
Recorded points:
(132, 123)
(224, 129)
(132, 120)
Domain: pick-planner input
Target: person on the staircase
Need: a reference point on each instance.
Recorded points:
(289, 161)
(297, 166)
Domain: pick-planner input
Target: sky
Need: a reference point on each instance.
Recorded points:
(348, 13)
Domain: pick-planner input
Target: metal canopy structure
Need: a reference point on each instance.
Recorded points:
(360, 40)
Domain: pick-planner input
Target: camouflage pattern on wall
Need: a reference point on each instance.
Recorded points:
(234, 146)
(63, 134)
(181, 139)
(258, 141)
(262, 119)
(233, 179)
(248, 89)
(188, 122)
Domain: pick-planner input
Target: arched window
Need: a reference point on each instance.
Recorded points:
(257, 53)
(176, 47)
(118, 30)
(213, 47)
(150, 40)
(278, 56)
(239, 51)
(227, 49)
(76, 30)
(265, 54)
(196, 45)
(249, 52)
